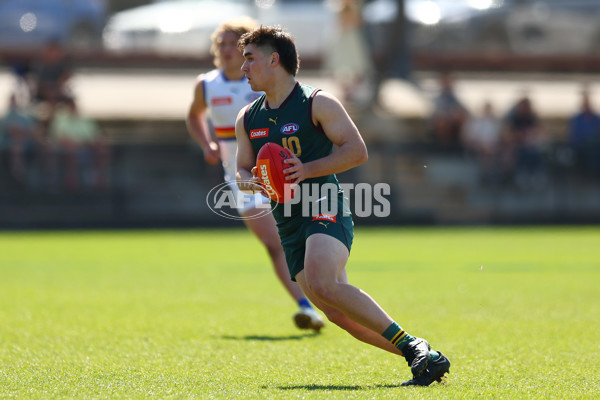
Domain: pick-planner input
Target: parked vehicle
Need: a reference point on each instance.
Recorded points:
(553, 26)
(183, 27)
(30, 24)
(528, 27)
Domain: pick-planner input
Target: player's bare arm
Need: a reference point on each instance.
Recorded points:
(197, 126)
(245, 157)
(351, 150)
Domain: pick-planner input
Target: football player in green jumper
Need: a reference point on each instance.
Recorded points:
(310, 122)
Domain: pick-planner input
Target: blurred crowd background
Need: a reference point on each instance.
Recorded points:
(474, 111)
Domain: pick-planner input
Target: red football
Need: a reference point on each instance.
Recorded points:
(269, 167)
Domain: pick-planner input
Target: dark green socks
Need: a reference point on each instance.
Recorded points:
(397, 336)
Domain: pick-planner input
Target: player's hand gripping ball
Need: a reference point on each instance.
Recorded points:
(269, 168)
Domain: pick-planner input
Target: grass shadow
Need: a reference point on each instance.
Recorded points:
(265, 338)
(333, 387)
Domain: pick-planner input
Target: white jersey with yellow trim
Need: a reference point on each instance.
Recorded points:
(224, 99)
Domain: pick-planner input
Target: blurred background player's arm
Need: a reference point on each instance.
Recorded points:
(198, 127)
(245, 158)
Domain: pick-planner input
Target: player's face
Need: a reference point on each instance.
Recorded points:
(227, 51)
(256, 67)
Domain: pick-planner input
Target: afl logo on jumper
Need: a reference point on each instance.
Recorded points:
(290, 128)
(259, 133)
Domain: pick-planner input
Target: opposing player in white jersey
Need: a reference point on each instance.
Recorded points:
(220, 94)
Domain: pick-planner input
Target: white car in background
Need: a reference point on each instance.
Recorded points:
(553, 26)
(183, 27)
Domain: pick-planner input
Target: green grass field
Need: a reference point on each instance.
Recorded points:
(199, 314)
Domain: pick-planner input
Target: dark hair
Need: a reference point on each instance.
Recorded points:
(278, 41)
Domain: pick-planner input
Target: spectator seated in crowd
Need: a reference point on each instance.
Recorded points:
(584, 136)
(526, 139)
(51, 74)
(482, 139)
(81, 148)
(22, 144)
(448, 116)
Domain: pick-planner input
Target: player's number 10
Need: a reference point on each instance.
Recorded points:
(292, 143)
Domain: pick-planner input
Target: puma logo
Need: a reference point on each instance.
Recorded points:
(273, 120)
(324, 224)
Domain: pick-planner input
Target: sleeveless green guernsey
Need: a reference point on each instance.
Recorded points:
(290, 126)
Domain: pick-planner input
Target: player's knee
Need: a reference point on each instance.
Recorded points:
(322, 288)
(336, 317)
